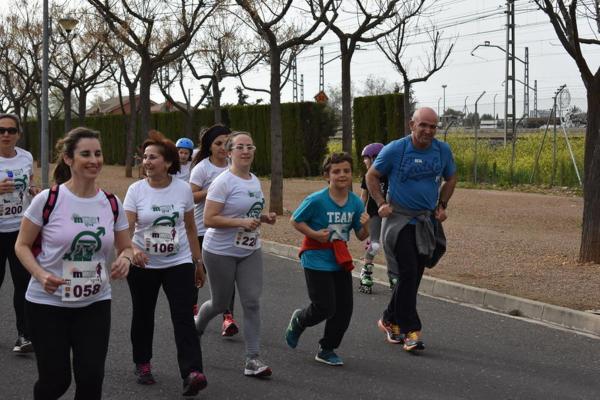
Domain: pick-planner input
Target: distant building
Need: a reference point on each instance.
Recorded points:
(112, 106)
(167, 106)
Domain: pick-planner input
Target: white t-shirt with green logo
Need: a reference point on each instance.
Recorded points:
(79, 230)
(160, 228)
(184, 172)
(13, 205)
(203, 174)
(242, 198)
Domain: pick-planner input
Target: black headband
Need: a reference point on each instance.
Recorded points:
(212, 133)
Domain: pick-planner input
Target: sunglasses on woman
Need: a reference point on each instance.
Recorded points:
(11, 131)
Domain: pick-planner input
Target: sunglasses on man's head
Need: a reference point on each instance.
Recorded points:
(11, 131)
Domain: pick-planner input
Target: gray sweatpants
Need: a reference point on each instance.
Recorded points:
(247, 273)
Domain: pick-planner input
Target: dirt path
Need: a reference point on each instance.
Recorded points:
(517, 243)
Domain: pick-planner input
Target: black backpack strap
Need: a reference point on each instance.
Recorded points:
(114, 205)
(50, 203)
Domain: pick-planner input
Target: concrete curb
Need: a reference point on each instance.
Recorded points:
(504, 303)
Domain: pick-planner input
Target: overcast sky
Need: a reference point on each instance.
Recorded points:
(469, 22)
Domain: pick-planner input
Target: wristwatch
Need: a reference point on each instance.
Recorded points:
(443, 204)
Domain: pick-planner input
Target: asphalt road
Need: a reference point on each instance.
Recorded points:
(471, 354)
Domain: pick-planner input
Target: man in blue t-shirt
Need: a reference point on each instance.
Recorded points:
(421, 177)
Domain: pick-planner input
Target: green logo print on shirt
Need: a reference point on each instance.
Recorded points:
(256, 209)
(166, 220)
(21, 183)
(85, 244)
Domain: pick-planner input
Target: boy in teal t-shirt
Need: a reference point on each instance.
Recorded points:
(326, 218)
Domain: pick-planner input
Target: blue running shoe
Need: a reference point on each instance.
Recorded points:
(329, 357)
(294, 330)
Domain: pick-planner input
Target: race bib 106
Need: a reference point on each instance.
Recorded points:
(161, 240)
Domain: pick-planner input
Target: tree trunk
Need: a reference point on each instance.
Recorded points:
(406, 105)
(590, 234)
(82, 106)
(346, 103)
(145, 84)
(131, 133)
(189, 123)
(22, 142)
(67, 107)
(216, 92)
(276, 197)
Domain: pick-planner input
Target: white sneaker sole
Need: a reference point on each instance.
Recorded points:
(324, 361)
(261, 373)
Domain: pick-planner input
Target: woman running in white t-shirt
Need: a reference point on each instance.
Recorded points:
(231, 247)
(16, 179)
(209, 163)
(160, 210)
(68, 299)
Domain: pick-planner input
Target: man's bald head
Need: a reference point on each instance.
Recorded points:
(424, 113)
(423, 125)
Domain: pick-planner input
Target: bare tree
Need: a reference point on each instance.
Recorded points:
(176, 74)
(159, 31)
(370, 16)
(394, 47)
(279, 35)
(20, 50)
(228, 51)
(567, 18)
(77, 61)
(218, 51)
(124, 72)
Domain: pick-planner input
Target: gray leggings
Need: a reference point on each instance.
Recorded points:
(247, 273)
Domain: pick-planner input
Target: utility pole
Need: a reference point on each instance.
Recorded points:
(302, 87)
(495, 119)
(294, 80)
(509, 89)
(535, 104)
(526, 85)
(321, 70)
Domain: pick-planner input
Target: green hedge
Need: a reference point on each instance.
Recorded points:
(306, 131)
(377, 119)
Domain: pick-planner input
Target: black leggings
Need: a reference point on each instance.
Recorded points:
(330, 293)
(196, 290)
(177, 283)
(402, 308)
(20, 277)
(55, 332)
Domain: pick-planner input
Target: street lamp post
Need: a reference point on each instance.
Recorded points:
(438, 108)
(44, 122)
(68, 24)
(510, 75)
(444, 87)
